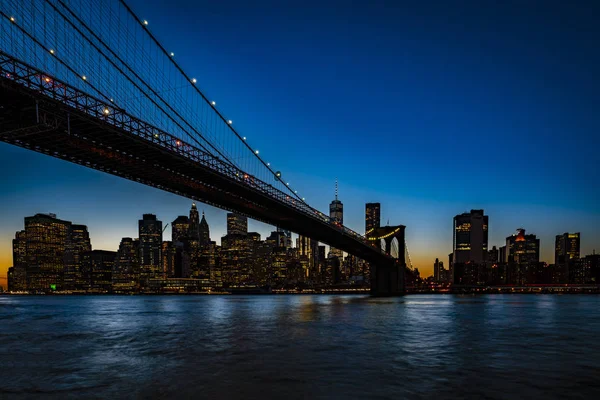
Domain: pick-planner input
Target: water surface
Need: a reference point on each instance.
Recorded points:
(300, 347)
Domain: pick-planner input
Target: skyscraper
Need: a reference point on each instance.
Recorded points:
(372, 216)
(204, 231)
(567, 247)
(180, 228)
(336, 213)
(522, 248)
(18, 280)
(438, 271)
(78, 243)
(194, 223)
(566, 253)
(470, 237)
(150, 233)
(99, 265)
(46, 241)
(307, 253)
(237, 224)
(126, 269)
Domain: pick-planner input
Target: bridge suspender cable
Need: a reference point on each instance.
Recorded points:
(64, 64)
(135, 74)
(166, 53)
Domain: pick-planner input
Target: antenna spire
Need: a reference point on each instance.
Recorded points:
(336, 188)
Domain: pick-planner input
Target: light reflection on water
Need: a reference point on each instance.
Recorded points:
(429, 346)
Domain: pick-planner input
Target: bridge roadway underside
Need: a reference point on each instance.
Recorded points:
(39, 123)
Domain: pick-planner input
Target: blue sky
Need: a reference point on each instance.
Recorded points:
(431, 108)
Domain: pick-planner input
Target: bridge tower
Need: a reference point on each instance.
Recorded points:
(387, 278)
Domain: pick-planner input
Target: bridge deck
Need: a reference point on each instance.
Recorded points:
(48, 116)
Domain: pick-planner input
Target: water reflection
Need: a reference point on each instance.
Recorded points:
(498, 346)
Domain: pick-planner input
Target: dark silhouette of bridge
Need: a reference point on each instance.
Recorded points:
(144, 132)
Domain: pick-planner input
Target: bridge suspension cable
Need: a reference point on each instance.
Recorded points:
(144, 25)
(122, 60)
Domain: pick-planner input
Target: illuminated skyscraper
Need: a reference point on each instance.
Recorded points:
(150, 232)
(194, 223)
(567, 247)
(522, 248)
(439, 273)
(237, 224)
(566, 252)
(46, 242)
(308, 255)
(470, 237)
(204, 231)
(18, 281)
(372, 216)
(98, 265)
(77, 244)
(180, 228)
(126, 269)
(336, 213)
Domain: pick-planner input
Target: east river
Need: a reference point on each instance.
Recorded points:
(300, 347)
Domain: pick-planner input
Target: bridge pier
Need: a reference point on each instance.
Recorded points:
(387, 280)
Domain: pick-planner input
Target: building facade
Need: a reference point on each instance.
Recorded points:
(237, 224)
(150, 236)
(372, 216)
(470, 237)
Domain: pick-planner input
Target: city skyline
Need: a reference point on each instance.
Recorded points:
(248, 227)
(434, 99)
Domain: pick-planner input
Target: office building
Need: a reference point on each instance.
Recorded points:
(180, 229)
(78, 243)
(18, 276)
(126, 268)
(522, 248)
(150, 236)
(336, 214)
(567, 247)
(46, 240)
(372, 216)
(98, 265)
(237, 224)
(204, 231)
(470, 241)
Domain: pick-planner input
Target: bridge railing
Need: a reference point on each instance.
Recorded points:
(36, 80)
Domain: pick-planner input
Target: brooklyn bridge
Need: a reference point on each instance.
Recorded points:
(89, 83)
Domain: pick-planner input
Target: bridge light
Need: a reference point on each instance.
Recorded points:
(245, 176)
(193, 80)
(231, 122)
(268, 164)
(244, 138)
(278, 174)
(155, 135)
(295, 191)
(213, 103)
(145, 22)
(111, 100)
(172, 54)
(106, 111)
(178, 143)
(47, 79)
(51, 51)
(84, 77)
(12, 19)
(256, 152)
(288, 184)
(303, 199)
